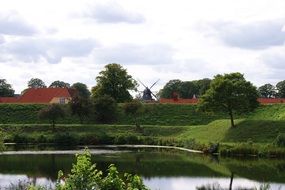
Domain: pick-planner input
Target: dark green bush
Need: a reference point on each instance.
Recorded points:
(65, 139)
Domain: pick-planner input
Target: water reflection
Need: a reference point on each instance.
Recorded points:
(161, 169)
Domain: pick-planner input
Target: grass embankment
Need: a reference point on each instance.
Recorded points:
(155, 114)
(178, 125)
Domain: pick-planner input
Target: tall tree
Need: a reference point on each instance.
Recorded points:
(81, 107)
(230, 93)
(173, 86)
(36, 83)
(5, 89)
(82, 90)
(188, 90)
(59, 84)
(203, 85)
(114, 81)
(267, 91)
(281, 89)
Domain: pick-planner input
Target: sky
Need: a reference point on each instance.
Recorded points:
(72, 40)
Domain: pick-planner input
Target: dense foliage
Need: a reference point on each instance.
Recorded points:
(230, 93)
(114, 81)
(267, 91)
(36, 83)
(105, 108)
(281, 89)
(81, 90)
(185, 89)
(81, 107)
(59, 84)
(5, 89)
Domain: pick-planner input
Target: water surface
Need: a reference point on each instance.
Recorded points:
(161, 169)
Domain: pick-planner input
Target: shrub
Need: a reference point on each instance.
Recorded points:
(52, 113)
(84, 175)
(65, 139)
(105, 108)
(134, 109)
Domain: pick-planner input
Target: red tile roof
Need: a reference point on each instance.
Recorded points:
(271, 100)
(8, 99)
(43, 95)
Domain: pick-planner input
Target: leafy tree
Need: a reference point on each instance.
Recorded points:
(267, 91)
(230, 93)
(36, 83)
(281, 89)
(173, 86)
(105, 108)
(188, 89)
(52, 113)
(80, 106)
(82, 90)
(114, 81)
(5, 89)
(134, 109)
(59, 84)
(203, 85)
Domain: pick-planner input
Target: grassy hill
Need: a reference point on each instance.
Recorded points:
(163, 124)
(155, 114)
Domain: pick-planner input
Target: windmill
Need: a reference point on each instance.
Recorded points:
(147, 93)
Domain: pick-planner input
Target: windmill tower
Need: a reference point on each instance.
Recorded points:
(147, 93)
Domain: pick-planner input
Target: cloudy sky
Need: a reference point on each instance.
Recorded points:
(72, 40)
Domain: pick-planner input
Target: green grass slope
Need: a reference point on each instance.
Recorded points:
(155, 114)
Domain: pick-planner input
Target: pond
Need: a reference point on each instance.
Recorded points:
(161, 169)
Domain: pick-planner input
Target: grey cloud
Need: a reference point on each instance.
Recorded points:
(12, 24)
(153, 54)
(258, 35)
(53, 50)
(113, 13)
(274, 59)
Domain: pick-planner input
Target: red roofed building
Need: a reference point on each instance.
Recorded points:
(47, 96)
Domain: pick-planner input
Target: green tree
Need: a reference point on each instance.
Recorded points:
(5, 89)
(188, 89)
(81, 107)
(52, 113)
(203, 85)
(230, 93)
(59, 84)
(134, 109)
(173, 86)
(281, 89)
(82, 90)
(114, 81)
(105, 108)
(267, 91)
(36, 83)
